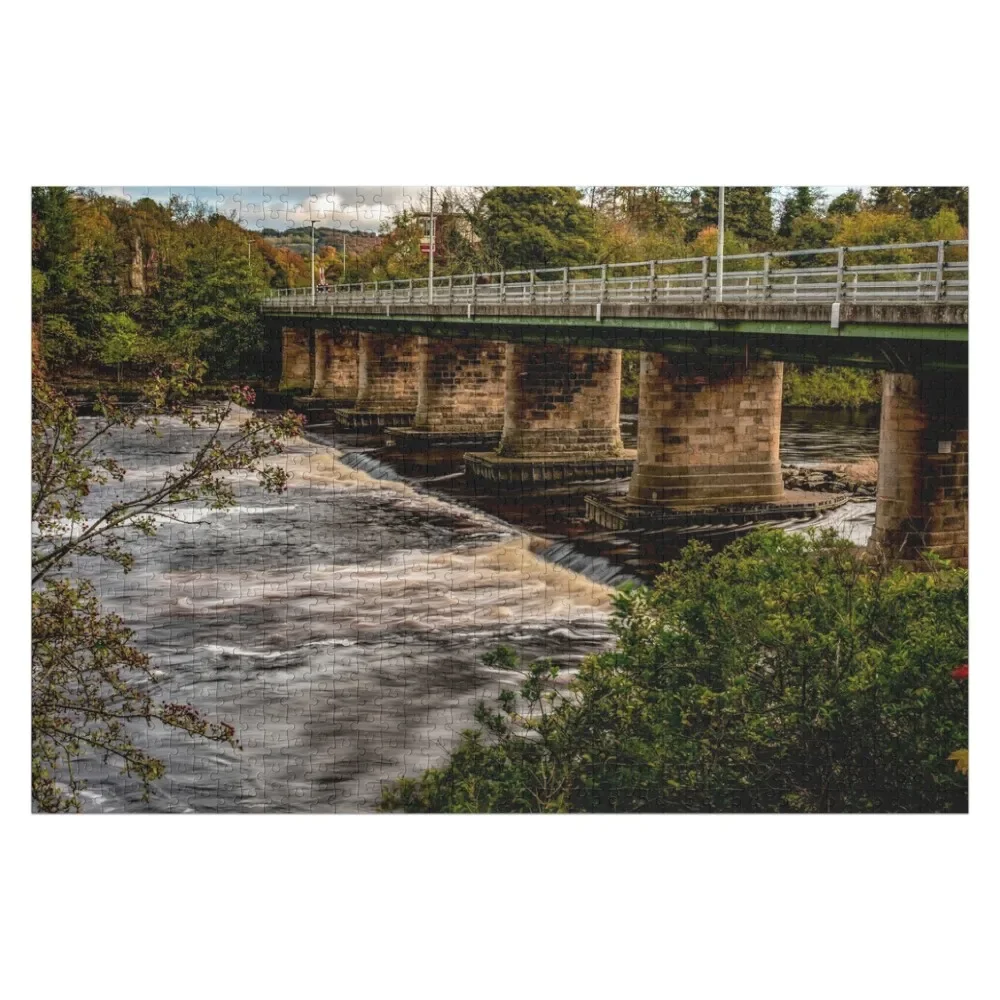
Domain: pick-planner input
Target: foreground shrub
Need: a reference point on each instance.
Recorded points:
(785, 673)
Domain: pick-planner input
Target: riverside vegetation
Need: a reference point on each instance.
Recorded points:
(783, 674)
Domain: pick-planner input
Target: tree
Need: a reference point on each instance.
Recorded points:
(926, 202)
(801, 201)
(786, 673)
(889, 199)
(748, 212)
(846, 203)
(90, 686)
(533, 227)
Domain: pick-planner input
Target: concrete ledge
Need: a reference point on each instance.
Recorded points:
(621, 514)
(547, 469)
(357, 419)
(415, 439)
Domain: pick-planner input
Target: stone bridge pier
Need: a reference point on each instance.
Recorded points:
(296, 358)
(460, 394)
(561, 413)
(387, 382)
(922, 500)
(709, 433)
(335, 367)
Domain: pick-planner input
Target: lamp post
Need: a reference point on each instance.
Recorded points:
(312, 258)
(722, 223)
(430, 280)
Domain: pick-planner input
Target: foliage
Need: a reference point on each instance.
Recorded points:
(849, 388)
(784, 674)
(114, 282)
(534, 227)
(748, 213)
(89, 684)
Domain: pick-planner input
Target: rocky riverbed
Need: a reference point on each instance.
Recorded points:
(857, 478)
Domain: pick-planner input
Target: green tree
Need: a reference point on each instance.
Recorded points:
(748, 213)
(846, 203)
(801, 201)
(534, 227)
(926, 202)
(783, 674)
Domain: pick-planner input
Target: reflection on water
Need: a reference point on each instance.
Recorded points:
(340, 625)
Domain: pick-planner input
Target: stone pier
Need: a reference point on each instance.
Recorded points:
(460, 395)
(708, 442)
(296, 358)
(923, 473)
(336, 367)
(560, 418)
(387, 382)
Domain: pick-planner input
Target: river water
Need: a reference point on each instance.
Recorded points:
(340, 625)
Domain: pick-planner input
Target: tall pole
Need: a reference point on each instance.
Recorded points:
(312, 258)
(722, 225)
(343, 277)
(430, 281)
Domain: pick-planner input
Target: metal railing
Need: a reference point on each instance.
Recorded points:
(933, 272)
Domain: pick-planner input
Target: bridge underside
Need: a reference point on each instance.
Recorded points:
(901, 338)
(709, 399)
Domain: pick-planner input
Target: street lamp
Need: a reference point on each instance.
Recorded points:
(430, 280)
(312, 257)
(722, 223)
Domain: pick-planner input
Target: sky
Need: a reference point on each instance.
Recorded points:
(274, 207)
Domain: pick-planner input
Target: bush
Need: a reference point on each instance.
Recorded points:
(784, 674)
(848, 388)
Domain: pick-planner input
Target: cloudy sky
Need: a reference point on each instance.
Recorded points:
(281, 208)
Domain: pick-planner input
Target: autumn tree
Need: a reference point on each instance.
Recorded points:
(92, 689)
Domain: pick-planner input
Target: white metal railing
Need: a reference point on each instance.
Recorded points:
(831, 274)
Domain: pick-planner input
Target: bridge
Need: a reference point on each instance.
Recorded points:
(528, 365)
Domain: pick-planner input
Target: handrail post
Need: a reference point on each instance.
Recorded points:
(767, 276)
(473, 291)
(704, 278)
(450, 289)
(939, 275)
(604, 281)
(840, 273)
(531, 292)
(410, 293)
(503, 286)
(565, 284)
(652, 281)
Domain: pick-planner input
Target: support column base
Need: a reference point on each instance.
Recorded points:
(358, 419)
(547, 469)
(416, 439)
(623, 514)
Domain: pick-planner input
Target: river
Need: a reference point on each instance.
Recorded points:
(340, 625)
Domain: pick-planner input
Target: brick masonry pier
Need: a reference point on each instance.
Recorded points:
(560, 418)
(387, 382)
(923, 474)
(335, 368)
(460, 395)
(296, 358)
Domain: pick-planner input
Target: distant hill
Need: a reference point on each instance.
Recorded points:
(358, 242)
